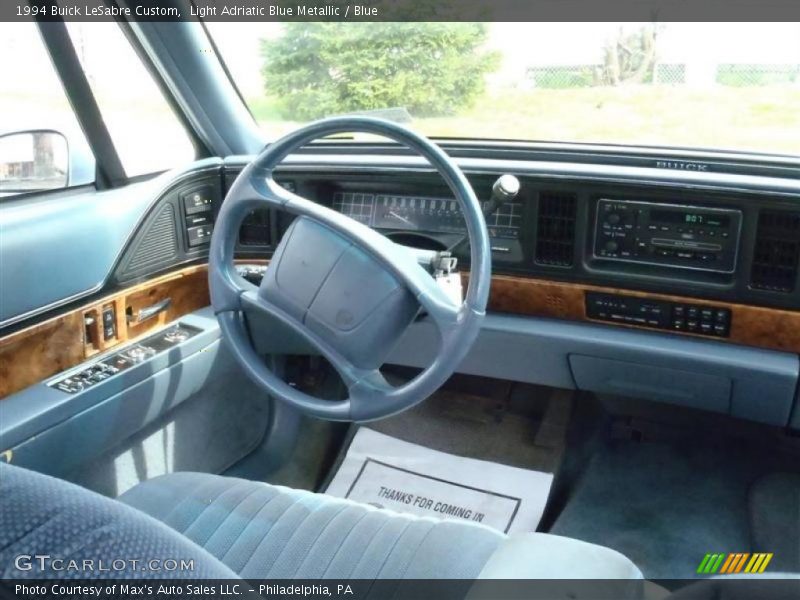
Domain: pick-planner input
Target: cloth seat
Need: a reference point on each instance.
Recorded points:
(260, 530)
(234, 528)
(264, 531)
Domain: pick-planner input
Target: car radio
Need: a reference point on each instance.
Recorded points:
(673, 235)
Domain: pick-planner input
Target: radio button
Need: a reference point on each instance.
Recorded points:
(678, 324)
(706, 328)
(723, 315)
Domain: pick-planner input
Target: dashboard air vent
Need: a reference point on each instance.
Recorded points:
(777, 251)
(255, 229)
(555, 238)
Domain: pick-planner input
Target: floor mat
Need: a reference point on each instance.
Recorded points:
(483, 426)
(664, 505)
(389, 473)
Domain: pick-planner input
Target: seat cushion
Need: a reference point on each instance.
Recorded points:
(545, 556)
(47, 525)
(264, 531)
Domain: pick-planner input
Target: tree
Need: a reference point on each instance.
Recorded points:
(630, 57)
(323, 68)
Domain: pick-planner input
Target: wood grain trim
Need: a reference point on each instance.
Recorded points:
(750, 325)
(42, 350)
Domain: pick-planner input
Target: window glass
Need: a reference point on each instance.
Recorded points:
(146, 132)
(710, 85)
(41, 144)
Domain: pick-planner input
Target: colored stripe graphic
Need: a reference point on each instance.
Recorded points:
(728, 564)
(703, 563)
(764, 564)
(711, 563)
(741, 563)
(754, 563)
(734, 562)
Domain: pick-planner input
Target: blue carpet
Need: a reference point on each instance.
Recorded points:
(665, 505)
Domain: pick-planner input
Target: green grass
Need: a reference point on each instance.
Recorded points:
(763, 118)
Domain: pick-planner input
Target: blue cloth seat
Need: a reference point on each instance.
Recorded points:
(234, 528)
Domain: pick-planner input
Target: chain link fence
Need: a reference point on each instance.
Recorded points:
(728, 74)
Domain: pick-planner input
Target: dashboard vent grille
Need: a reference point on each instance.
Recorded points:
(255, 229)
(159, 244)
(777, 251)
(555, 238)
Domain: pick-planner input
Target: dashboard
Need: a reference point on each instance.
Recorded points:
(698, 260)
(710, 243)
(697, 255)
(684, 254)
(683, 287)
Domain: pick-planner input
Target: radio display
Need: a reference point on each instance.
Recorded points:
(690, 218)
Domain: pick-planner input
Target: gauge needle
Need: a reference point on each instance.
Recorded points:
(403, 219)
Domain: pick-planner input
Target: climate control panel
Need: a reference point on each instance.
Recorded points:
(659, 314)
(673, 235)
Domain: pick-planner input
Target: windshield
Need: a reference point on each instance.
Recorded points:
(732, 86)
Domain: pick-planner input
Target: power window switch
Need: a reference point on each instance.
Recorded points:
(109, 323)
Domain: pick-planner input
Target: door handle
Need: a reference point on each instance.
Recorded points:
(149, 312)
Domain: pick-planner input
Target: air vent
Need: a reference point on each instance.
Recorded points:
(777, 251)
(255, 229)
(555, 238)
(159, 244)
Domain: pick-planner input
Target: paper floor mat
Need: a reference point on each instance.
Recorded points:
(389, 473)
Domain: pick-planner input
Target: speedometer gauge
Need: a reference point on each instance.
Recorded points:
(417, 213)
(422, 213)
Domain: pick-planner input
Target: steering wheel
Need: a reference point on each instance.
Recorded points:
(344, 288)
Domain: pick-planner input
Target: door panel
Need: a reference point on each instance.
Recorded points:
(61, 247)
(69, 260)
